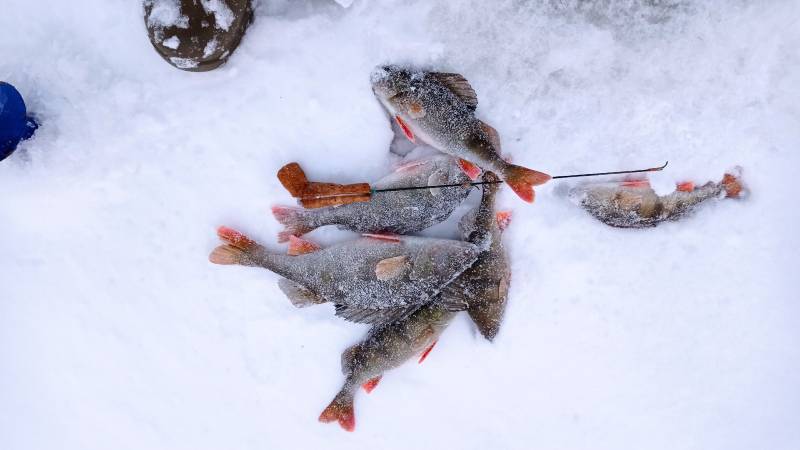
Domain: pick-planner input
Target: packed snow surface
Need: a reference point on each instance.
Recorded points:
(116, 332)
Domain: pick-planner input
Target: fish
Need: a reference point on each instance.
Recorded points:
(373, 279)
(398, 212)
(634, 204)
(385, 347)
(484, 286)
(439, 109)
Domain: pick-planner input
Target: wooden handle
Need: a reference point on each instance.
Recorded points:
(311, 194)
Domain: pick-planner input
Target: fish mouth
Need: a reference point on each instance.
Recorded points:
(383, 83)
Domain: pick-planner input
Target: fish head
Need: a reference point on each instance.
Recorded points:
(396, 86)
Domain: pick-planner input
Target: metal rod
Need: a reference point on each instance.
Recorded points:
(652, 169)
(477, 183)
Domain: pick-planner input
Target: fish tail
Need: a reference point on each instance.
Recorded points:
(733, 185)
(341, 410)
(238, 248)
(295, 220)
(522, 180)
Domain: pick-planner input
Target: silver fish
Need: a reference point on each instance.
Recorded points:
(374, 279)
(385, 347)
(399, 212)
(439, 109)
(634, 204)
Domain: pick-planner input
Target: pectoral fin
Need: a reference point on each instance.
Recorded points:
(390, 268)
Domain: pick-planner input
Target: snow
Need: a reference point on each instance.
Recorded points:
(172, 42)
(115, 331)
(167, 13)
(223, 16)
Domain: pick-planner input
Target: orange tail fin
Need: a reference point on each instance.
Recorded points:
(340, 410)
(236, 250)
(294, 219)
(522, 180)
(733, 185)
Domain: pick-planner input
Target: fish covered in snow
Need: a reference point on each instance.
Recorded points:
(484, 286)
(385, 347)
(634, 204)
(399, 212)
(374, 279)
(439, 109)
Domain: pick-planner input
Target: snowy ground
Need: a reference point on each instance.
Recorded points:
(115, 331)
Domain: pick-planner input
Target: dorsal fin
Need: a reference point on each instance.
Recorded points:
(391, 268)
(494, 136)
(460, 86)
(374, 316)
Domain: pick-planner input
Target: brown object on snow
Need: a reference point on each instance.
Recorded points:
(311, 194)
(196, 35)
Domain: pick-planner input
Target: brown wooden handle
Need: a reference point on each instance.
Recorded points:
(311, 194)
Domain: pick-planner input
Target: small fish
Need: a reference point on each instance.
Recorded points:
(386, 347)
(439, 109)
(374, 279)
(634, 204)
(484, 286)
(399, 212)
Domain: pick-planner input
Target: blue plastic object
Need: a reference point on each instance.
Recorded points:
(15, 125)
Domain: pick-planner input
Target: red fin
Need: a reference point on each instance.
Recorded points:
(299, 246)
(426, 352)
(472, 171)
(636, 183)
(383, 237)
(291, 218)
(371, 384)
(236, 249)
(406, 129)
(235, 238)
(733, 185)
(522, 180)
(686, 186)
(503, 219)
(341, 412)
